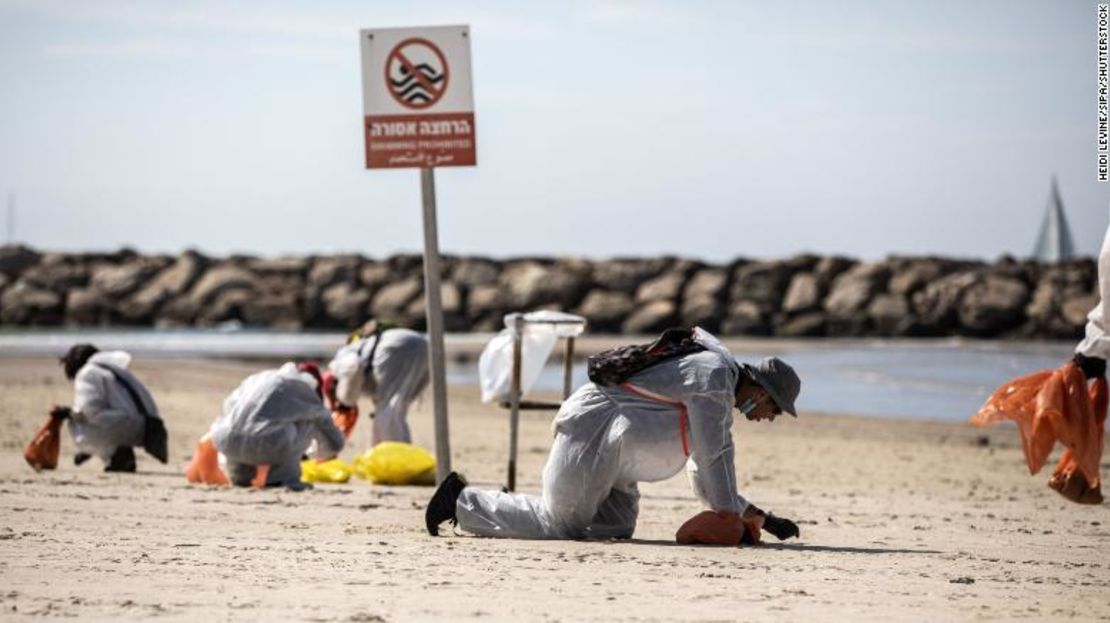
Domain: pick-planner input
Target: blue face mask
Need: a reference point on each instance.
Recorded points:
(749, 405)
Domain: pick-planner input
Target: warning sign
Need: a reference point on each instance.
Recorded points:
(418, 106)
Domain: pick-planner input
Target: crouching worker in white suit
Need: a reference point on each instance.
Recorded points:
(272, 419)
(107, 419)
(609, 438)
(390, 366)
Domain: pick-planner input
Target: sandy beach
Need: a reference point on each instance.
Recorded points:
(900, 520)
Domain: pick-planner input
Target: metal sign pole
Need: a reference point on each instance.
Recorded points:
(515, 394)
(434, 310)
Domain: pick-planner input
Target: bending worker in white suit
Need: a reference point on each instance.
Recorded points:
(390, 366)
(110, 407)
(608, 438)
(272, 419)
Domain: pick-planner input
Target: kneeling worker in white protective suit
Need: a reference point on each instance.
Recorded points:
(110, 407)
(389, 365)
(675, 412)
(272, 419)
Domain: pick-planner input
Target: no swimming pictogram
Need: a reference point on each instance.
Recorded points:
(416, 73)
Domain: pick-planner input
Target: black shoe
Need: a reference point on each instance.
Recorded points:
(442, 505)
(81, 457)
(780, 527)
(122, 461)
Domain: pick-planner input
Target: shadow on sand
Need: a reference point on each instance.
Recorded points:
(801, 547)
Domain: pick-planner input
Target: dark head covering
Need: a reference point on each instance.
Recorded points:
(77, 356)
(780, 381)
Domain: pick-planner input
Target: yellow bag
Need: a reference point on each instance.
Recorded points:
(333, 471)
(396, 463)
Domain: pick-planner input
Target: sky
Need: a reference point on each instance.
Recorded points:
(604, 128)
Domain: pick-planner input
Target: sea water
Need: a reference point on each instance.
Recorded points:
(926, 379)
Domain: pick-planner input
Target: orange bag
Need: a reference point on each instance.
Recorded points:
(42, 453)
(1050, 406)
(711, 528)
(204, 467)
(345, 418)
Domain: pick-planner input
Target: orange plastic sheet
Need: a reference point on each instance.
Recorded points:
(345, 418)
(711, 528)
(204, 468)
(1050, 406)
(42, 453)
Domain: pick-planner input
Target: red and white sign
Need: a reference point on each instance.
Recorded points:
(418, 104)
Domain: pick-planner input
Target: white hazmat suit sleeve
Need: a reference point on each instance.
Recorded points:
(348, 367)
(712, 467)
(1097, 341)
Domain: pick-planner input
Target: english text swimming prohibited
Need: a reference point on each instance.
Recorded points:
(418, 103)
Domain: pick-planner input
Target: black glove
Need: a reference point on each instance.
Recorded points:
(60, 412)
(782, 528)
(1092, 367)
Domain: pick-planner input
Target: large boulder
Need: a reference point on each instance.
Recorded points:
(181, 275)
(346, 305)
(1075, 309)
(702, 310)
(116, 282)
(276, 310)
(651, 317)
(993, 305)
(605, 311)
(665, 287)
(57, 273)
(746, 318)
(225, 305)
(853, 289)
(891, 315)
(451, 299)
(375, 275)
(328, 271)
(937, 306)
(829, 268)
(626, 275)
(484, 301)
(14, 259)
(220, 279)
(808, 324)
(172, 281)
(85, 307)
(763, 283)
(707, 283)
(406, 265)
(530, 285)
(474, 272)
(1059, 284)
(176, 312)
(287, 266)
(914, 276)
(392, 301)
(804, 294)
(27, 304)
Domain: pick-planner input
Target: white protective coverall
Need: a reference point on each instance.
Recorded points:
(607, 439)
(272, 418)
(105, 417)
(395, 378)
(1096, 343)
